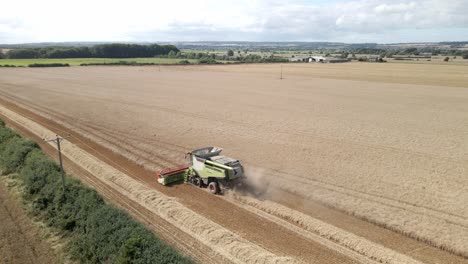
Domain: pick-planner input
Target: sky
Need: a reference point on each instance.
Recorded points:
(350, 21)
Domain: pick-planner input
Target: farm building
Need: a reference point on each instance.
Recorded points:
(321, 59)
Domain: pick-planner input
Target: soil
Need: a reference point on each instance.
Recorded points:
(21, 240)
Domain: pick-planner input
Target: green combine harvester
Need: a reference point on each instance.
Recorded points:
(206, 169)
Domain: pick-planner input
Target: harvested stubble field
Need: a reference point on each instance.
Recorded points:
(372, 140)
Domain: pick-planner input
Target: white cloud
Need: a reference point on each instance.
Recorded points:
(395, 8)
(147, 20)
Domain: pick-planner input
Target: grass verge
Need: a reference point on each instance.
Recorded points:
(98, 232)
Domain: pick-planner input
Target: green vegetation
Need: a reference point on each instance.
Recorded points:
(48, 65)
(98, 232)
(252, 58)
(90, 61)
(123, 63)
(217, 58)
(98, 51)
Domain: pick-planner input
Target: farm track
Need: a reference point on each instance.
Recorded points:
(21, 239)
(107, 155)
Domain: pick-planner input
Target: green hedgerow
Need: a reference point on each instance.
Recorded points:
(14, 152)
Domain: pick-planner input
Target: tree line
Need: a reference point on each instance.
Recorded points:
(97, 51)
(212, 58)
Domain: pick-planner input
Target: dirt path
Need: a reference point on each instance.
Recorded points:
(20, 240)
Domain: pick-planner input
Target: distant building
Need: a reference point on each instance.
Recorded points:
(328, 59)
(319, 59)
(375, 59)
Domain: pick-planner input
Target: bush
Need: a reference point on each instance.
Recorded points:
(184, 62)
(37, 172)
(208, 60)
(125, 63)
(14, 153)
(465, 56)
(6, 134)
(49, 65)
(446, 59)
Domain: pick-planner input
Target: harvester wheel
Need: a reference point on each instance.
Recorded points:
(197, 181)
(213, 187)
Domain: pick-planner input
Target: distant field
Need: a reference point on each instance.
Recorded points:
(77, 62)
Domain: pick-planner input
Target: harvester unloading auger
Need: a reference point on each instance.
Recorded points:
(206, 169)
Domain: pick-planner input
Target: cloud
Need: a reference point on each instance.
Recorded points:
(395, 8)
(254, 20)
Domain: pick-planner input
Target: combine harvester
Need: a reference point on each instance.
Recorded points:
(206, 169)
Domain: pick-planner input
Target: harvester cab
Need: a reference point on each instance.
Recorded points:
(206, 169)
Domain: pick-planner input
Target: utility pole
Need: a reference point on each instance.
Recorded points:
(281, 74)
(57, 141)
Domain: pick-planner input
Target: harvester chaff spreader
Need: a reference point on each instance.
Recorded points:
(206, 169)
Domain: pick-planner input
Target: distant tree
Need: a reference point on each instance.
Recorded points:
(344, 55)
(23, 54)
(465, 56)
(2, 56)
(327, 55)
(171, 54)
(446, 59)
(191, 55)
(230, 53)
(410, 51)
